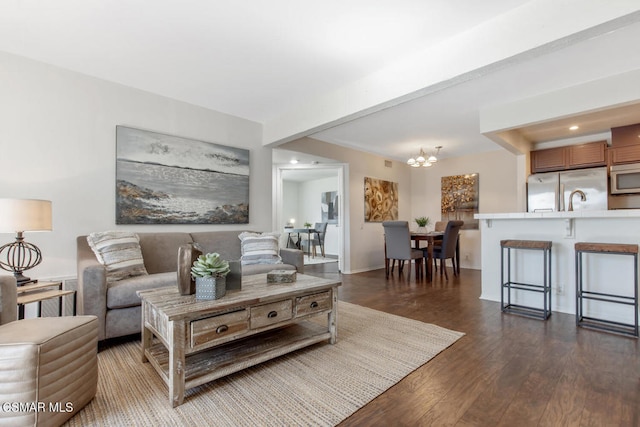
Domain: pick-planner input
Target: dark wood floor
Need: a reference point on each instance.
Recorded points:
(506, 371)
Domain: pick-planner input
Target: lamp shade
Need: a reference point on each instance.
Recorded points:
(18, 215)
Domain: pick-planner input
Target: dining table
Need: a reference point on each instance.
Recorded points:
(430, 237)
(298, 242)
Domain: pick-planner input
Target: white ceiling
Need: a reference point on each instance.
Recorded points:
(259, 59)
(450, 117)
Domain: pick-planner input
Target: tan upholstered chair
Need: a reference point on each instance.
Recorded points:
(48, 366)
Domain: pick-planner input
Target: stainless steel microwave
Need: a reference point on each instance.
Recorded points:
(625, 179)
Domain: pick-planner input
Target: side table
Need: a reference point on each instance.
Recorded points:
(42, 291)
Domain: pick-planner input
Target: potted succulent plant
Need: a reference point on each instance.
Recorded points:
(422, 222)
(210, 272)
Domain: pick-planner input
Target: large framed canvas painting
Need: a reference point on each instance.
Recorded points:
(380, 200)
(459, 199)
(164, 179)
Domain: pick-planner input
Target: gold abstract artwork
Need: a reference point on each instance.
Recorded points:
(460, 199)
(380, 200)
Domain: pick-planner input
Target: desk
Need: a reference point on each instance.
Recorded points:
(430, 239)
(297, 231)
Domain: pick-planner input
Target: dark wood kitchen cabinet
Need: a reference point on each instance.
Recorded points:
(625, 145)
(588, 155)
(549, 160)
(624, 154)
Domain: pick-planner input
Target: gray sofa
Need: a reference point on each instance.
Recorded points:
(118, 306)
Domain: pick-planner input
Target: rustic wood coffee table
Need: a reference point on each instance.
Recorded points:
(191, 342)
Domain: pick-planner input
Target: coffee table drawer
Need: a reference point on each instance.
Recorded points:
(309, 304)
(268, 314)
(214, 328)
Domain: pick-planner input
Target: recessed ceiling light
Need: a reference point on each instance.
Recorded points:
(574, 127)
(294, 161)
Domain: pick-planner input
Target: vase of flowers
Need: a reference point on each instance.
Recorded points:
(422, 222)
(210, 272)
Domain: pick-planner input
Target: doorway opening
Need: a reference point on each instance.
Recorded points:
(311, 193)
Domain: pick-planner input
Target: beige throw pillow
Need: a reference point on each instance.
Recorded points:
(260, 248)
(119, 252)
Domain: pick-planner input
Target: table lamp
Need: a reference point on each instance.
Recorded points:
(18, 216)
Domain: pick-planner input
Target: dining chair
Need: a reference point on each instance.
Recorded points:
(442, 226)
(447, 249)
(318, 238)
(397, 240)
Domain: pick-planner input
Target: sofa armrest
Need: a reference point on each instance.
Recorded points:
(294, 257)
(92, 286)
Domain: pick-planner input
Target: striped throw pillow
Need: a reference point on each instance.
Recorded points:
(119, 252)
(260, 248)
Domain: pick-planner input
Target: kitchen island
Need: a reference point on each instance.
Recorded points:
(609, 273)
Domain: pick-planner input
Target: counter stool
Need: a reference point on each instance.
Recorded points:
(508, 285)
(582, 294)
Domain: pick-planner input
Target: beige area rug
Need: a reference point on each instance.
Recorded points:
(318, 386)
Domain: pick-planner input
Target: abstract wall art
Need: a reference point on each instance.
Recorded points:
(164, 179)
(380, 200)
(459, 199)
(329, 207)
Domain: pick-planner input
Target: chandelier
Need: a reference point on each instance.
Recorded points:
(422, 160)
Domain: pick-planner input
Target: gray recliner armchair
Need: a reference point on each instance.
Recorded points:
(50, 362)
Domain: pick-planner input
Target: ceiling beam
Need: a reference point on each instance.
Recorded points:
(536, 28)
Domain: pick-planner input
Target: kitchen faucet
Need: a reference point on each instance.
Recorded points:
(583, 197)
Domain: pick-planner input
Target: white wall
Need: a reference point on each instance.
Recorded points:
(57, 142)
(499, 189)
(290, 202)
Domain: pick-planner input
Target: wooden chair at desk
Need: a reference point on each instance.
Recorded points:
(448, 248)
(397, 246)
(318, 238)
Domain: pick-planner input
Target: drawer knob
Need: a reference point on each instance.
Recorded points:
(314, 304)
(221, 329)
(272, 314)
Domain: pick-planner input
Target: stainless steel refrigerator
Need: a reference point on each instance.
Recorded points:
(550, 191)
